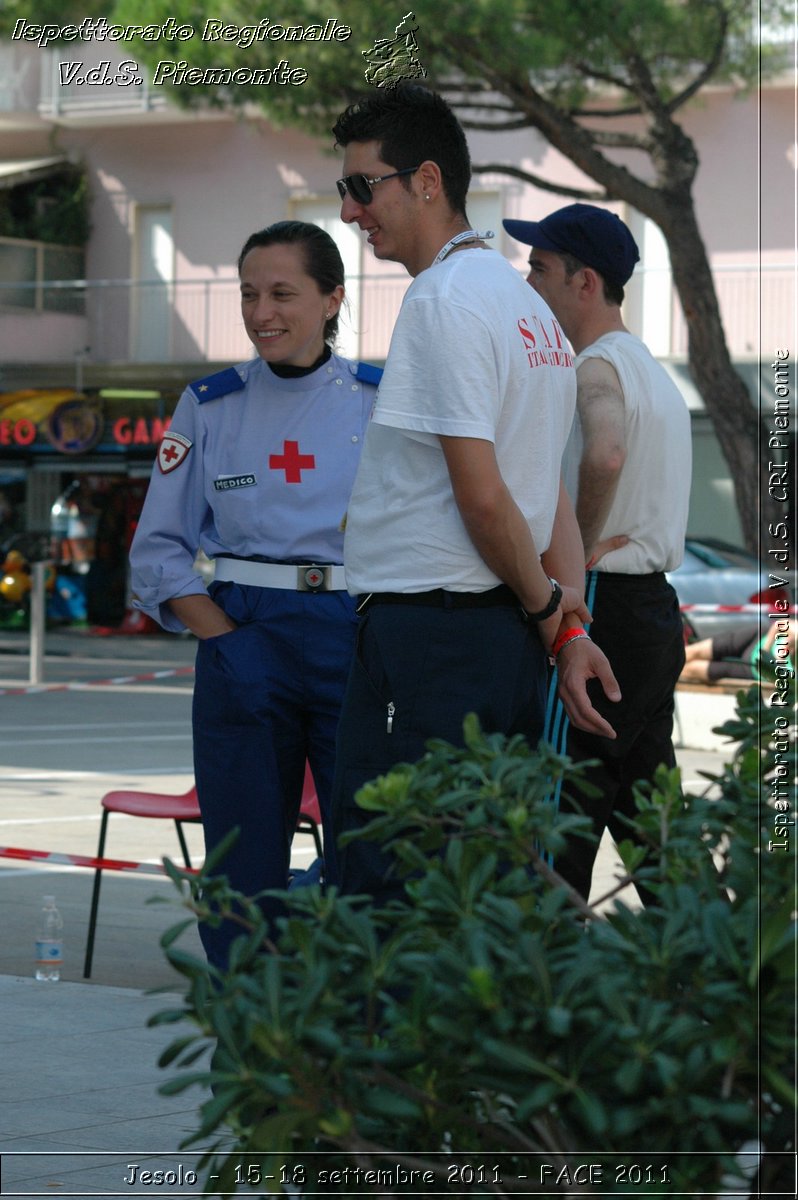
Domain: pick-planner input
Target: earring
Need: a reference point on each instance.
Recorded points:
(426, 197)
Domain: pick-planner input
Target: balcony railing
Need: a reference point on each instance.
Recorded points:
(48, 82)
(27, 272)
(754, 302)
(61, 96)
(180, 320)
(200, 320)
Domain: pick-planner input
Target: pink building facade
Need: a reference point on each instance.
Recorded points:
(174, 194)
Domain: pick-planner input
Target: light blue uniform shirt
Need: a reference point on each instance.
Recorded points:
(253, 466)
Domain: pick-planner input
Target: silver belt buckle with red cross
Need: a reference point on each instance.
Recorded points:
(313, 579)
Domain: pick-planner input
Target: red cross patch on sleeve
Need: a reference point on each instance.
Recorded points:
(172, 451)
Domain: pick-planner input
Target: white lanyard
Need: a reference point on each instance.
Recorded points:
(468, 235)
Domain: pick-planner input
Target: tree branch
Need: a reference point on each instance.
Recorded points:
(483, 104)
(610, 139)
(565, 134)
(489, 126)
(602, 76)
(631, 110)
(643, 86)
(709, 68)
(620, 141)
(546, 185)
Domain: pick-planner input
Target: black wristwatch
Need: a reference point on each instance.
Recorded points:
(551, 607)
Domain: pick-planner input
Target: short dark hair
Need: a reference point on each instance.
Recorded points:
(322, 258)
(613, 292)
(411, 124)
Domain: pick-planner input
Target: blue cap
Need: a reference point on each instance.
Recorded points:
(596, 237)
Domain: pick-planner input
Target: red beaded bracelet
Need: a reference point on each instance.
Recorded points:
(570, 635)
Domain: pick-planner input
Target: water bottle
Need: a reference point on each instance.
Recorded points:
(49, 946)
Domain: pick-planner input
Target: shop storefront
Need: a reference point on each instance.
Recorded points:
(74, 468)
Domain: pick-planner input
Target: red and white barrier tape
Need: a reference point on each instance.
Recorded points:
(93, 683)
(151, 676)
(82, 860)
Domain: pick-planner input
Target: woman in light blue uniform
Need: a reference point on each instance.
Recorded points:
(256, 470)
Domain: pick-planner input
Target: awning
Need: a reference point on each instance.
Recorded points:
(24, 170)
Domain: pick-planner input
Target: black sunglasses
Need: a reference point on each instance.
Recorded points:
(359, 187)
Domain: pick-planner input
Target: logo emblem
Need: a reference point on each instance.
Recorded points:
(392, 59)
(172, 451)
(74, 427)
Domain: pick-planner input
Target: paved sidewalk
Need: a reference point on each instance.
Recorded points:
(79, 1064)
(80, 1081)
(84, 654)
(80, 1101)
(87, 654)
(699, 711)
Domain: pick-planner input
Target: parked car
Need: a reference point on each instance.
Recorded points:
(718, 574)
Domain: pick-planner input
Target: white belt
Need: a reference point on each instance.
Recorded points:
(306, 577)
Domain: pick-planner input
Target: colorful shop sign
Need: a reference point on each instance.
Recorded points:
(39, 420)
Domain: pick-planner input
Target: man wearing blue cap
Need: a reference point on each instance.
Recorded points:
(628, 467)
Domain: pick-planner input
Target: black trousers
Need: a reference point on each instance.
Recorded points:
(432, 666)
(637, 624)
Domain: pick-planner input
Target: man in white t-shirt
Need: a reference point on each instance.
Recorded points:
(629, 463)
(458, 526)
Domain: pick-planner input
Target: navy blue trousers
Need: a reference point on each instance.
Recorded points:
(434, 665)
(266, 697)
(636, 622)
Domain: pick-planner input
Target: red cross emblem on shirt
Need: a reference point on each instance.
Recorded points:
(172, 451)
(292, 462)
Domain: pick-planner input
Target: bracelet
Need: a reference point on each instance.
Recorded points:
(580, 637)
(570, 635)
(551, 607)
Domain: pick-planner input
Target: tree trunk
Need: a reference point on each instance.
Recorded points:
(668, 202)
(733, 412)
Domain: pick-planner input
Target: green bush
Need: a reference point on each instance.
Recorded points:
(492, 1012)
(55, 209)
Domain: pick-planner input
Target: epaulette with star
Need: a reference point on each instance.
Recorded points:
(220, 384)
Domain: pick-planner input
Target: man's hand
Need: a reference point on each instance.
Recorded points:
(579, 661)
(572, 602)
(605, 546)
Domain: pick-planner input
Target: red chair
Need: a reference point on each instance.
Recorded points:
(182, 810)
(309, 812)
